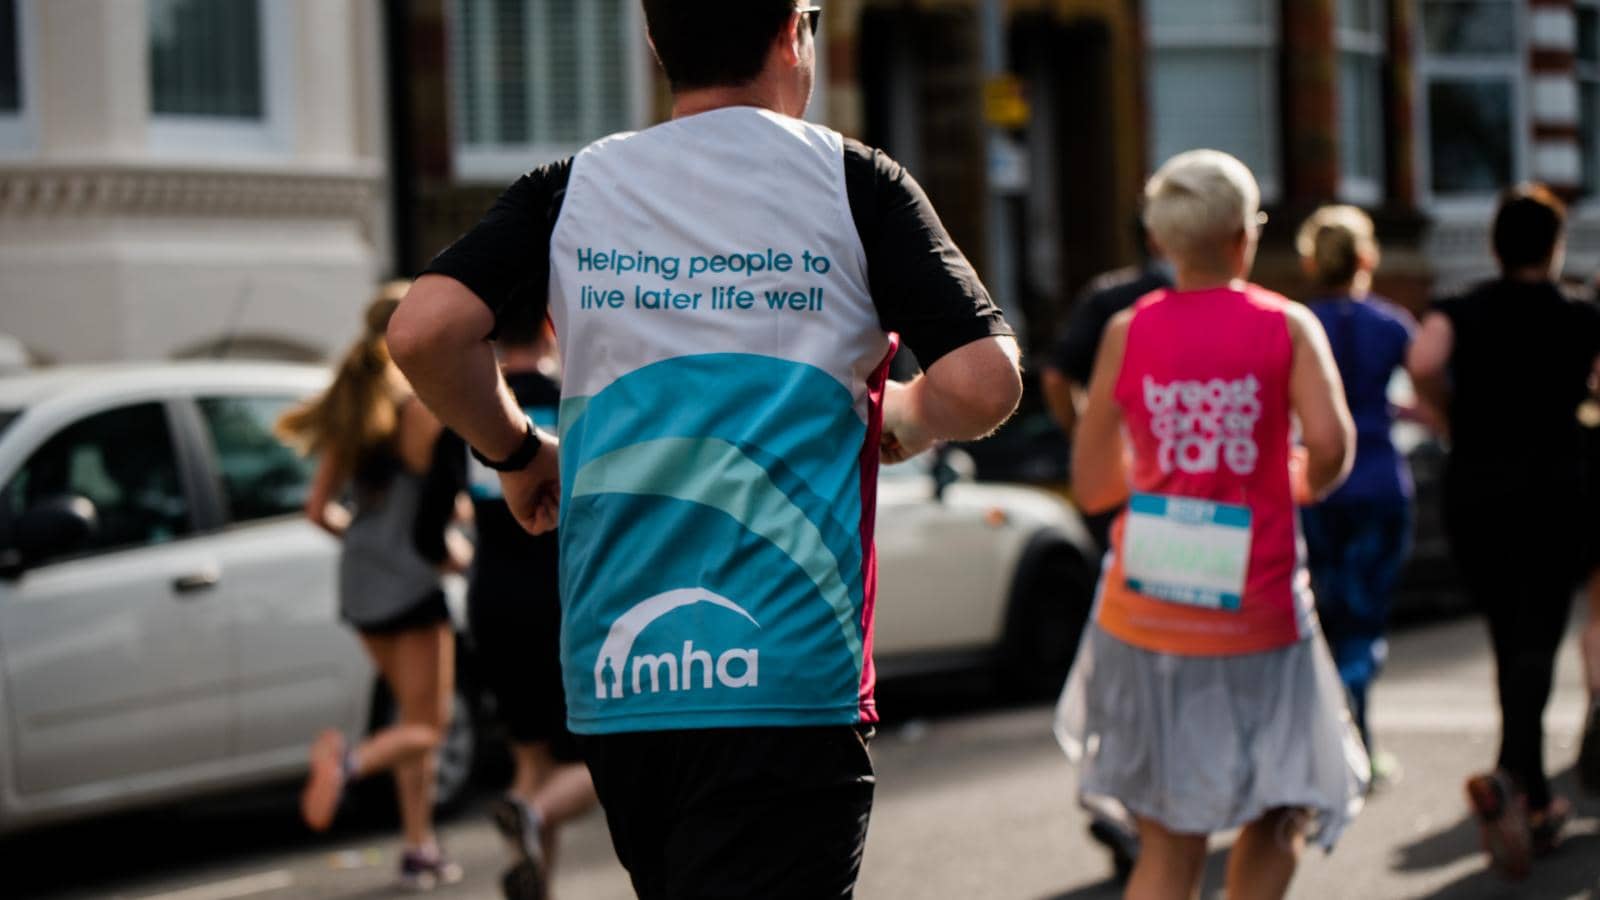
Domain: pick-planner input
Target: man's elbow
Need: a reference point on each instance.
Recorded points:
(427, 326)
(996, 403)
(409, 338)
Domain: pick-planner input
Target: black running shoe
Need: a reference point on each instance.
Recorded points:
(1589, 752)
(526, 879)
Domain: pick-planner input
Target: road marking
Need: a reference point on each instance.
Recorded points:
(233, 888)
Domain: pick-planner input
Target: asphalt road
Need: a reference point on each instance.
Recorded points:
(973, 802)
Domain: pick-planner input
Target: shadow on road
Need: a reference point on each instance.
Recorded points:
(1558, 878)
(83, 858)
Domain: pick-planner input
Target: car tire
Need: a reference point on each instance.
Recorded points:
(1050, 602)
(458, 753)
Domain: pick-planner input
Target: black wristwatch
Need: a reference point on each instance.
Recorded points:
(519, 458)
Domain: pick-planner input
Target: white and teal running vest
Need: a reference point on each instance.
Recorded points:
(723, 373)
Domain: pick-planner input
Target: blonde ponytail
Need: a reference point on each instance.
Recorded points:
(1335, 243)
(359, 412)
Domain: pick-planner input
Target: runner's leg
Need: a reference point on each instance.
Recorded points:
(1527, 628)
(1265, 855)
(402, 740)
(1169, 866)
(422, 679)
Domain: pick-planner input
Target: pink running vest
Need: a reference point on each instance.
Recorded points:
(1204, 391)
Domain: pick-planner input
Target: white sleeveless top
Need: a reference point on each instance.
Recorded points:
(723, 367)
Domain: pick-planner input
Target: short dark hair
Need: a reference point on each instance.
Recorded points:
(1527, 226)
(714, 43)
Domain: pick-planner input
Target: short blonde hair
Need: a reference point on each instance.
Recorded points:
(1334, 241)
(1197, 202)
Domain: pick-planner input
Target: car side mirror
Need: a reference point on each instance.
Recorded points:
(951, 466)
(54, 527)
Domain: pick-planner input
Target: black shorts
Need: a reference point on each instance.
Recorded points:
(742, 812)
(428, 612)
(516, 642)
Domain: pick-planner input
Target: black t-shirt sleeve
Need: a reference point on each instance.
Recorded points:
(1080, 342)
(922, 285)
(505, 258)
(446, 477)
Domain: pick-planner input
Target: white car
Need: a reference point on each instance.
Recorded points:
(978, 575)
(177, 633)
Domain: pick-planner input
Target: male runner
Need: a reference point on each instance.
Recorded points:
(726, 288)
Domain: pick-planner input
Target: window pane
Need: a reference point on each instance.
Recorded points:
(122, 462)
(1476, 28)
(611, 68)
(260, 476)
(1470, 136)
(1361, 115)
(1589, 134)
(205, 58)
(10, 58)
(562, 88)
(509, 83)
(540, 71)
(1589, 34)
(1188, 13)
(10, 62)
(1219, 99)
(1361, 15)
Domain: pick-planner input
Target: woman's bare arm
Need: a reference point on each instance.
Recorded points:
(1316, 395)
(1099, 464)
(320, 508)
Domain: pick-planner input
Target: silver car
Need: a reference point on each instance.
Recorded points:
(177, 633)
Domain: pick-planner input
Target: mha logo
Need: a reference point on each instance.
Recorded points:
(691, 670)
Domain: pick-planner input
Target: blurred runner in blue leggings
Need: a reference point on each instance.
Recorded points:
(1358, 538)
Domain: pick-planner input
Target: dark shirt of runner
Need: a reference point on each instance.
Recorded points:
(1098, 303)
(1520, 367)
(923, 287)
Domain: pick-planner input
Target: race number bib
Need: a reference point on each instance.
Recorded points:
(1181, 550)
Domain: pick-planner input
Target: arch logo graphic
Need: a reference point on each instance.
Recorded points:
(619, 672)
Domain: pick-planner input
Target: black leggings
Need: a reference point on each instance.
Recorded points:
(1526, 632)
(1525, 589)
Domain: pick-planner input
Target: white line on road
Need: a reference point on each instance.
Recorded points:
(233, 888)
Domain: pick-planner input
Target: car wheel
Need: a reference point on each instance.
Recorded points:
(1050, 604)
(458, 753)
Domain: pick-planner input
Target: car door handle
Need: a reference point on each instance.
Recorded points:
(196, 582)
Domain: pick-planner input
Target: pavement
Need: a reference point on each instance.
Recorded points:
(974, 801)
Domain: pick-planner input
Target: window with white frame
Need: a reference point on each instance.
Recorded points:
(1360, 36)
(16, 110)
(1214, 81)
(1588, 59)
(535, 80)
(218, 72)
(1472, 78)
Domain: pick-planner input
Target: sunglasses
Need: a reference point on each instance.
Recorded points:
(812, 15)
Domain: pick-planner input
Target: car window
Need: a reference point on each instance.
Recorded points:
(7, 416)
(120, 460)
(261, 477)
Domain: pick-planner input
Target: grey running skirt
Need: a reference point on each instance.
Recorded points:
(1203, 744)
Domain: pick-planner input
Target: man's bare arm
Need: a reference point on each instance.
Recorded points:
(965, 394)
(438, 338)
